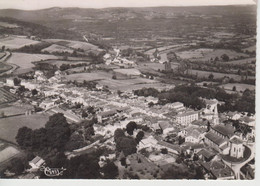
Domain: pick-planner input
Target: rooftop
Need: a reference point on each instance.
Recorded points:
(215, 138)
(226, 130)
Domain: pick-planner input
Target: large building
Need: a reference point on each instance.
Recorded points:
(187, 117)
(223, 140)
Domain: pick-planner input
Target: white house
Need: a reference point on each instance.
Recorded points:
(37, 162)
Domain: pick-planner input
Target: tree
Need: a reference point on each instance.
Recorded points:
(211, 76)
(127, 145)
(234, 88)
(139, 136)
(110, 170)
(130, 127)
(118, 134)
(17, 81)
(24, 137)
(114, 77)
(34, 92)
(84, 114)
(3, 48)
(225, 57)
(164, 151)
(57, 131)
(18, 166)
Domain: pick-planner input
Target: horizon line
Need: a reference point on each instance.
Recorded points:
(160, 6)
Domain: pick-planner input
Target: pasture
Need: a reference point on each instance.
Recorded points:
(217, 75)
(10, 126)
(133, 72)
(205, 54)
(241, 61)
(59, 62)
(15, 42)
(93, 76)
(24, 61)
(57, 48)
(74, 44)
(239, 87)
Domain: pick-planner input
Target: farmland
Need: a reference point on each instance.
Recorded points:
(89, 76)
(6, 97)
(15, 42)
(9, 126)
(74, 44)
(24, 61)
(217, 75)
(205, 54)
(239, 87)
(57, 48)
(59, 62)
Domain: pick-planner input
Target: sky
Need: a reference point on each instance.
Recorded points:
(41, 4)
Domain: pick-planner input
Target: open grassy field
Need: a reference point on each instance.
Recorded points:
(14, 42)
(4, 67)
(132, 71)
(99, 75)
(59, 62)
(57, 48)
(8, 153)
(2, 54)
(10, 126)
(239, 87)
(250, 49)
(24, 61)
(74, 44)
(241, 61)
(205, 54)
(217, 75)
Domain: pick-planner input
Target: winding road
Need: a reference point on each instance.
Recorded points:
(3, 60)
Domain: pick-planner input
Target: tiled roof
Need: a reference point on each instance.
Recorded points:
(236, 140)
(215, 138)
(226, 130)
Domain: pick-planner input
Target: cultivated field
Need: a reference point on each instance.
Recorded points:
(10, 126)
(57, 48)
(239, 87)
(89, 76)
(24, 61)
(205, 54)
(217, 75)
(14, 42)
(8, 153)
(74, 44)
(58, 63)
(250, 49)
(133, 72)
(241, 61)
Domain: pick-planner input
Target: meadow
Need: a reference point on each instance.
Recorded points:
(59, 62)
(57, 48)
(24, 61)
(10, 126)
(14, 42)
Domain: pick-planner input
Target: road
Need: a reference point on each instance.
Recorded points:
(3, 60)
(236, 167)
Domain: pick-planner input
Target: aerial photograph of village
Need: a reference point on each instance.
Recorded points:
(128, 92)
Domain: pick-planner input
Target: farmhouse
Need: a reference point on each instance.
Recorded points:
(36, 163)
(47, 104)
(105, 115)
(9, 82)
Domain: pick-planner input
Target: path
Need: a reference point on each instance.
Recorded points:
(3, 60)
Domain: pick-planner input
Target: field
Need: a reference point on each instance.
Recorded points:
(206, 54)
(8, 25)
(241, 61)
(6, 96)
(217, 75)
(239, 87)
(58, 63)
(2, 54)
(89, 76)
(74, 44)
(9, 126)
(13, 42)
(8, 153)
(250, 49)
(133, 72)
(4, 67)
(57, 48)
(24, 61)
(15, 108)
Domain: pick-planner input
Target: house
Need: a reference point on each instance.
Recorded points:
(47, 104)
(9, 82)
(247, 121)
(218, 170)
(105, 115)
(187, 117)
(147, 143)
(69, 115)
(233, 115)
(206, 154)
(36, 162)
(178, 106)
(152, 99)
(29, 84)
(211, 111)
(165, 126)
